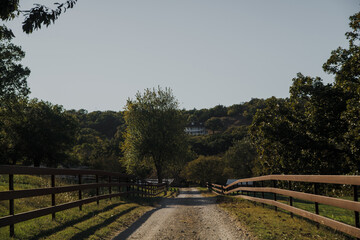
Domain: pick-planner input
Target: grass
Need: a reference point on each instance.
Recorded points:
(265, 223)
(101, 221)
(336, 213)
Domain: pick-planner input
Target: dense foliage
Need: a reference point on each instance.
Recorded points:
(35, 17)
(35, 133)
(12, 74)
(315, 130)
(154, 132)
(205, 169)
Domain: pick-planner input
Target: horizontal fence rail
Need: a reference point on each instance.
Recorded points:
(244, 188)
(125, 185)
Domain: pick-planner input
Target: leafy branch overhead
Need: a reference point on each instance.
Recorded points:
(37, 16)
(42, 15)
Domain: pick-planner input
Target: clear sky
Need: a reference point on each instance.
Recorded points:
(209, 52)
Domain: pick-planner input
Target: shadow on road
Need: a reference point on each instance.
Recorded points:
(195, 199)
(130, 230)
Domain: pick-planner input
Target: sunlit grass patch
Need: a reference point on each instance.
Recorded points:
(93, 222)
(265, 223)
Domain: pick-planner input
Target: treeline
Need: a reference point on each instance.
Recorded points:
(98, 139)
(42, 134)
(317, 129)
(226, 151)
(39, 133)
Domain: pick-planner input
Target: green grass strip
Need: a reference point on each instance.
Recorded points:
(266, 223)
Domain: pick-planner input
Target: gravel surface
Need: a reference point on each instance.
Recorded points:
(189, 216)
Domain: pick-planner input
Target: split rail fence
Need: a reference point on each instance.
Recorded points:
(98, 181)
(271, 184)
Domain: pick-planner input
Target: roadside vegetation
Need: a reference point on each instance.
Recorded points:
(266, 223)
(336, 213)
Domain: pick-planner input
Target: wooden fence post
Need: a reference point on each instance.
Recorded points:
(357, 224)
(254, 193)
(80, 194)
(262, 193)
(146, 189)
(110, 186)
(274, 185)
(316, 190)
(11, 203)
(290, 199)
(53, 195)
(97, 189)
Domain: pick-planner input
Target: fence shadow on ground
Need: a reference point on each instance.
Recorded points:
(70, 223)
(93, 229)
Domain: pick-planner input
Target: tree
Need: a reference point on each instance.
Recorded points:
(12, 74)
(303, 134)
(240, 158)
(13, 90)
(205, 169)
(214, 124)
(38, 133)
(35, 17)
(316, 130)
(218, 111)
(155, 131)
(271, 134)
(345, 64)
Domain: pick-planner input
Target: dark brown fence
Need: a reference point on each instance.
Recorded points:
(125, 185)
(256, 186)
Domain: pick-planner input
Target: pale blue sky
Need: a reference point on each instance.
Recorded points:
(209, 52)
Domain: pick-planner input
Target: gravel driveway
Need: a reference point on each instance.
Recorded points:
(189, 216)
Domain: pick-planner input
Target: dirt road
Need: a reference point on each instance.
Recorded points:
(189, 216)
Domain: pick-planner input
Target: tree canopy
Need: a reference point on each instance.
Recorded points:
(35, 17)
(36, 132)
(155, 131)
(205, 169)
(315, 130)
(12, 74)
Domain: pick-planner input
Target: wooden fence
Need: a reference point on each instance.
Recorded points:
(270, 184)
(126, 186)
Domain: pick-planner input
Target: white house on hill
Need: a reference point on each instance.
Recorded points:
(196, 129)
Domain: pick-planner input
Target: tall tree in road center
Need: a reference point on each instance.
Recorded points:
(155, 131)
